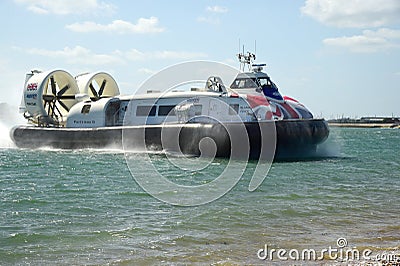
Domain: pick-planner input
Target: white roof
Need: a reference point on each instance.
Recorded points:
(174, 94)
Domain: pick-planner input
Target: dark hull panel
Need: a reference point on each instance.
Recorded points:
(294, 138)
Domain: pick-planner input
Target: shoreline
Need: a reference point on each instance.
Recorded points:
(364, 125)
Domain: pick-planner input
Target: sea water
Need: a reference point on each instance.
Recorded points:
(73, 207)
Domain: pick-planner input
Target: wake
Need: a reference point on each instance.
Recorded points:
(9, 117)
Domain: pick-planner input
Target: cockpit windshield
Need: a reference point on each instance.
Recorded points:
(260, 84)
(248, 83)
(269, 89)
(245, 83)
(266, 83)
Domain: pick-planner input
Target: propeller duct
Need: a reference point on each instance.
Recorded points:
(49, 96)
(97, 85)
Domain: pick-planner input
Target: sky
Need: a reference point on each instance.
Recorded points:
(339, 58)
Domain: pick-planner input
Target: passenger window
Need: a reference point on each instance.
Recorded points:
(146, 110)
(164, 110)
(85, 109)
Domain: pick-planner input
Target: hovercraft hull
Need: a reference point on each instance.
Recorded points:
(294, 138)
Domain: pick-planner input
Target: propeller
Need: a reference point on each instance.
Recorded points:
(97, 95)
(50, 100)
(215, 84)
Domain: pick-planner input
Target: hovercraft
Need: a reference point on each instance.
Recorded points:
(87, 111)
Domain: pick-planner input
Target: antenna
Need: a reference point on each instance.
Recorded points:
(246, 58)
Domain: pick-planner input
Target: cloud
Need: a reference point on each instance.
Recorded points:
(354, 13)
(217, 9)
(369, 42)
(63, 7)
(214, 17)
(79, 55)
(136, 55)
(146, 71)
(143, 25)
(208, 20)
(83, 56)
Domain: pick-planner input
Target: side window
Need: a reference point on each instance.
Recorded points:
(250, 83)
(238, 83)
(235, 83)
(85, 109)
(164, 110)
(146, 110)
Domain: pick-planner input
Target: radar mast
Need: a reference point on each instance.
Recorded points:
(247, 59)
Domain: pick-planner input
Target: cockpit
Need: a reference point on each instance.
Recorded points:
(245, 83)
(264, 84)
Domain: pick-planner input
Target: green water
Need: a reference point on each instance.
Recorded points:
(84, 207)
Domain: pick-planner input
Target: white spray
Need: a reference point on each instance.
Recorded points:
(9, 117)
